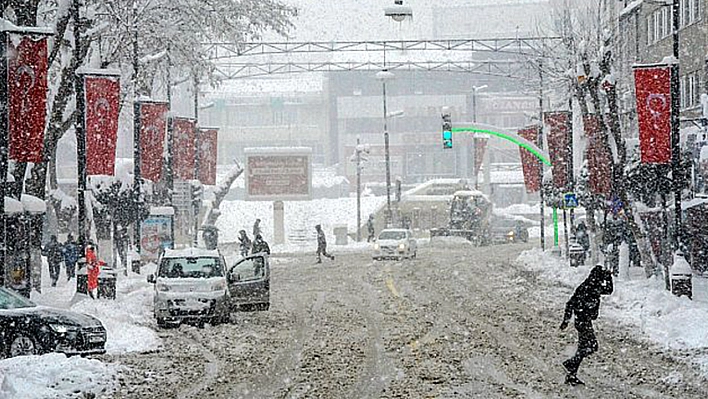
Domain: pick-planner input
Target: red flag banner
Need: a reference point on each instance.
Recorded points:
(653, 92)
(559, 127)
(102, 94)
(27, 95)
(529, 163)
(153, 126)
(207, 155)
(598, 156)
(184, 148)
(480, 146)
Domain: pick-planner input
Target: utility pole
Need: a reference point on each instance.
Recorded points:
(136, 132)
(358, 190)
(169, 178)
(80, 128)
(675, 128)
(540, 145)
(196, 154)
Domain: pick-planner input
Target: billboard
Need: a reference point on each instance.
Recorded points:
(156, 234)
(276, 174)
(653, 88)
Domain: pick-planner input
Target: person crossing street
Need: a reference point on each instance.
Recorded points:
(321, 245)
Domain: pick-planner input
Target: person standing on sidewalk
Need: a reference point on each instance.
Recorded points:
(585, 306)
(70, 250)
(370, 229)
(321, 245)
(256, 228)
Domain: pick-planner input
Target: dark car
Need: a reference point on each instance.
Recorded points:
(28, 329)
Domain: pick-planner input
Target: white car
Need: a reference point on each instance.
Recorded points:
(395, 244)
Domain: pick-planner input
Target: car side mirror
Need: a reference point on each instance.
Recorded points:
(151, 278)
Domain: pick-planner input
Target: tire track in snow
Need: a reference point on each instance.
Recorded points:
(211, 369)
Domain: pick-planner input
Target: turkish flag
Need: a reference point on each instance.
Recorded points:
(27, 95)
(653, 92)
(207, 155)
(153, 126)
(598, 156)
(184, 148)
(559, 127)
(102, 94)
(480, 146)
(529, 163)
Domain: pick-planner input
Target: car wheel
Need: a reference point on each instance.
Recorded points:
(21, 344)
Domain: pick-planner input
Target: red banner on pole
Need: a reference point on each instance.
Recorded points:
(480, 146)
(559, 127)
(27, 95)
(184, 148)
(102, 95)
(153, 126)
(529, 163)
(207, 155)
(653, 92)
(598, 156)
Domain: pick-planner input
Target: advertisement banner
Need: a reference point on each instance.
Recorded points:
(278, 175)
(102, 94)
(184, 148)
(155, 235)
(153, 127)
(529, 163)
(207, 155)
(653, 92)
(559, 127)
(598, 156)
(27, 95)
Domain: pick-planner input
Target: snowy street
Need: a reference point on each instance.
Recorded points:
(459, 321)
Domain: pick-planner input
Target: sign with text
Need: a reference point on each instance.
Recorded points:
(653, 88)
(156, 234)
(275, 174)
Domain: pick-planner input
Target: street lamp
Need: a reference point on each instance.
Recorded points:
(475, 89)
(398, 12)
(385, 76)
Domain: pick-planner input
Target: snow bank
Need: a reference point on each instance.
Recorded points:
(56, 376)
(669, 321)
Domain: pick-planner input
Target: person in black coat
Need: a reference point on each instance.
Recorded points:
(370, 229)
(260, 246)
(585, 306)
(244, 243)
(54, 254)
(321, 245)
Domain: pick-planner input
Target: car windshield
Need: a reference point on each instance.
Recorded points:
(190, 267)
(392, 235)
(11, 300)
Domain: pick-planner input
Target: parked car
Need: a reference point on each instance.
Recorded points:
(29, 329)
(508, 230)
(395, 244)
(194, 285)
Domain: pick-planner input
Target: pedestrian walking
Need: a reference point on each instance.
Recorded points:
(93, 269)
(260, 246)
(256, 228)
(321, 245)
(53, 251)
(370, 229)
(585, 306)
(70, 252)
(244, 243)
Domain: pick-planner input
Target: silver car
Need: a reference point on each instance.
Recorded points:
(395, 244)
(195, 285)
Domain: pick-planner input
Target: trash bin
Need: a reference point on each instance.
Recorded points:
(210, 235)
(340, 235)
(107, 283)
(81, 277)
(681, 276)
(576, 254)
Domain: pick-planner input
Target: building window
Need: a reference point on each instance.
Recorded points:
(690, 90)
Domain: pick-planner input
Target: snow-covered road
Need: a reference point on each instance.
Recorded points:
(458, 321)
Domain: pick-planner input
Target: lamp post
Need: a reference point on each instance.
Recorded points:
(475, 89)
(385, 76)
(675, 128)
(137, 175)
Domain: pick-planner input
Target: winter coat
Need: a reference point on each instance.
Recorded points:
(585, 302)
(71, 253)
(370, 226)
(260, 246)
(256, 229)
(53, 252)
(93, 268)
(245, 242)
(321, 240)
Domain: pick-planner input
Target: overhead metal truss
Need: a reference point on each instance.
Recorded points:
(506, 68)
(528, 46)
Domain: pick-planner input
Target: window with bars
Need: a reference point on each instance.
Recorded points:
(690, 90)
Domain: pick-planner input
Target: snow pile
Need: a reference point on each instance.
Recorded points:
(56, 376)
(669, 321)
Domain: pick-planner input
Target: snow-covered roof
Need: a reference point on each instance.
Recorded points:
(7, 26)
(33, 204)
(469, 193)
(191, 253)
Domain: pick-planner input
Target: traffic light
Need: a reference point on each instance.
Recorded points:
(447, 130)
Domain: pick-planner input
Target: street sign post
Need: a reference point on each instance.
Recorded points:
(570, 200)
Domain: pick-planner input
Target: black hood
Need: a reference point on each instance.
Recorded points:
(599, 282)
(65, 317)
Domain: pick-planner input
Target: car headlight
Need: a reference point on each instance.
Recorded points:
(220, 286)
(62, 328)
(401, 246)
(510, 234)
(376, 246)
(162, 287)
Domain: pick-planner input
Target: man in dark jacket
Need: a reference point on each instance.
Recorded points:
(54, 257)
(321, 245)
(585, 305)
(370, 229)
(260, 246)
(244, 243)
(70, 250)
(256, 228)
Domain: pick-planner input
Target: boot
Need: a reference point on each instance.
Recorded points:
(572, 379)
